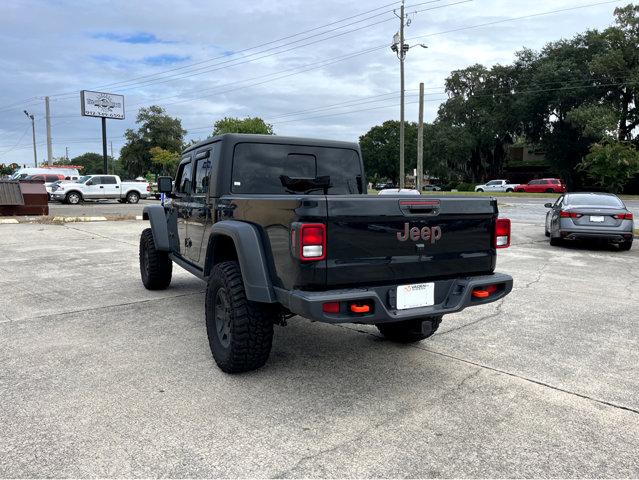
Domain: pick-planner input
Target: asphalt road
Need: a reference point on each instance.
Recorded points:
(99, 377)
(520, 209)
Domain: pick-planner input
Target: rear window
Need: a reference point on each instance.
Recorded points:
(257, 168)
(593, 200)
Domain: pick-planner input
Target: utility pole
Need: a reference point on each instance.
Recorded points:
(420, 140)
(66, 154)
(35, 151)
(402, 56)
(401, 49)
(48, 120)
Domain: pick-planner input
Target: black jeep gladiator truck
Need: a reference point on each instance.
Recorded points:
(280, 226)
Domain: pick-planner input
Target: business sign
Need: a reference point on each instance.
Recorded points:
(100, 104)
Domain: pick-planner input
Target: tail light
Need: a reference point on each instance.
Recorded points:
(623, 216)
(312, 242)
(502, 233)
(564, 214)
(148, 188)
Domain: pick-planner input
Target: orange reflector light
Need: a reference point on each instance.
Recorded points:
(356, 308)
(484, 292)
(330, 307)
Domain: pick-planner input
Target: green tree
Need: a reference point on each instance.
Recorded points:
(90, 162)
(611, 165)
(155, 129)
(8, 169)
(167, 161)
(380, 150)
(242, 125)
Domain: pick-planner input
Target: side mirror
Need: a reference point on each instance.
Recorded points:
(548, 205)
(165, 184)
(90, 182)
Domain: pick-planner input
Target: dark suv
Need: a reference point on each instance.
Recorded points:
(279, 226)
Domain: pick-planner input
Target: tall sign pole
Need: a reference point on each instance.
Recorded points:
(48, 120)
(420, 140)
(102, 105)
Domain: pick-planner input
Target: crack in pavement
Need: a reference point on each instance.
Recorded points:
(99, 235)
(511, 374)
(356, 437)
(474, 322)
(124, 304)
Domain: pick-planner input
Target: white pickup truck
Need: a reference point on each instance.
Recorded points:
(100, 187)
(496, 186)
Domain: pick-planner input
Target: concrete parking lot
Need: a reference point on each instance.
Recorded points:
(99, 377)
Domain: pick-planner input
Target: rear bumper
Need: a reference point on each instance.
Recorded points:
(450, 296)
(611, 234)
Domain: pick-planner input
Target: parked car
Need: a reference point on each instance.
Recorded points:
(100, 187)
(496, 186)
(580, 216)
(542, 185)
(274, 237)
(431, 188)
(399, 191)
(384, 185)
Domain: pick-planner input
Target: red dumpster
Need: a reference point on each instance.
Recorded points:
(23, 198)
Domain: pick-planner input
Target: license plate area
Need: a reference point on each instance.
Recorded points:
(415, 295)
(597, 218)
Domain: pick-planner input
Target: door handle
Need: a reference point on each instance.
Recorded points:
(101, 186)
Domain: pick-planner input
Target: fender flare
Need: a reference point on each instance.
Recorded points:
(159, 227)
(251, 257)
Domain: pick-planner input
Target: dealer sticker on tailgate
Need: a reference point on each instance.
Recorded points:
(416, 295)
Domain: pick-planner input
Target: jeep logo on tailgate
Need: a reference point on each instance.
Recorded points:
(428, 234)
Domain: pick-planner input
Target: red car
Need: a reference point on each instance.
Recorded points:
(548, 185)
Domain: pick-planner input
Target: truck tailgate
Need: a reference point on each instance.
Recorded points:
(397, 239)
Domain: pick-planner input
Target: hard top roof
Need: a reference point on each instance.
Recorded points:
(254, 138)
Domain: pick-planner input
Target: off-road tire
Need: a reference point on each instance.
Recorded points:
(625, 246)
(241, 341)
(73, 198)
(408, 331)
(156, 268)
(132, 197)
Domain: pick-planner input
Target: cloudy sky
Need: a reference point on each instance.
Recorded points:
(320, 68)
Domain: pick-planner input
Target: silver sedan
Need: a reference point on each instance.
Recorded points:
(582, 216)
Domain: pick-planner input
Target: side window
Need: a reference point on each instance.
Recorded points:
(108, 180)
(186, 179)
(51, 178)
(202, 179)
(555, 182)
(96, 181)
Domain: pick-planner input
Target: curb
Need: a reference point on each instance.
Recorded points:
(78, 219)
(8, 220)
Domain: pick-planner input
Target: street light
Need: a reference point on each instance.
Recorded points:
(35, 151)
(398, 39)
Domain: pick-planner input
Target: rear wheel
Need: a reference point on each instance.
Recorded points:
(509, 190)
(410, 331)
(479, 190)
(156, 268)
(132, 197)
(555, 241)
(549, 190)
(625, 246)
(240, 332)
